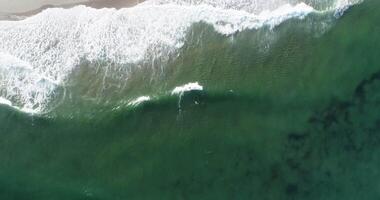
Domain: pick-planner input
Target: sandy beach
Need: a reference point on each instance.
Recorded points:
(29, 7)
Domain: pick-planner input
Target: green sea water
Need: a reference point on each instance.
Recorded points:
(289, 113)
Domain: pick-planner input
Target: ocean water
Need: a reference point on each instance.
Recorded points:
(192, 99)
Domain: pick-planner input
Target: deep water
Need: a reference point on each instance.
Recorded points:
(294, 116)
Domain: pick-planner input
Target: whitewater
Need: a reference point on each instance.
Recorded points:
(38, 54)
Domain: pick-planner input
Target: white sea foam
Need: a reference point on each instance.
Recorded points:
(139, 100)
(5, 101)
(186, 88)
(41, 51)
(24, 86)
(341, 6)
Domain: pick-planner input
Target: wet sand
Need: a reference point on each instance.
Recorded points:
(12, 11)
(112, 3)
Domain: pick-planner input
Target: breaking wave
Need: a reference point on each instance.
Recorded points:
(38, 54)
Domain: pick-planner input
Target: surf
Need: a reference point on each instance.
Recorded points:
(51, 45)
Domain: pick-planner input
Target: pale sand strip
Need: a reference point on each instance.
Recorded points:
(20, 6)
(21, 9)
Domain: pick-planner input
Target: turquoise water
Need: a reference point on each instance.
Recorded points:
(288, 113)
